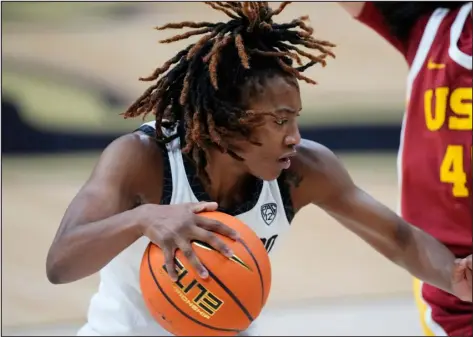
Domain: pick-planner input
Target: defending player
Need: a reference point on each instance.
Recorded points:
(435, 160)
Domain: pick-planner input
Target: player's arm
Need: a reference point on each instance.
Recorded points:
(327, 184)
(99, 222)
(118, 205)
(353, 8)
(368, 14)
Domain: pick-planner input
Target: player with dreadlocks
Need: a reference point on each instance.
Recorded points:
(201, 90)
(225, 137)
(435, 39)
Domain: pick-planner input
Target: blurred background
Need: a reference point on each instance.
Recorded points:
(70, 68)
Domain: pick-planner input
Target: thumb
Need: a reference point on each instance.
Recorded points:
(202, 206)
(468, 262)
(459, 270)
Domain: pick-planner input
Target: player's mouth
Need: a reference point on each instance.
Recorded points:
(285, 160)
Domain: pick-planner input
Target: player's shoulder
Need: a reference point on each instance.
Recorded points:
(135, 144)
(132, 164)
(132, 152)
(313, 156)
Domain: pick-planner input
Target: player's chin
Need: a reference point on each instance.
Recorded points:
(268, 172)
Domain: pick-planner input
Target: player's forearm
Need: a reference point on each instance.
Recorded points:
(89, 247)
(427, 259)
(353, 8)
(407, 246)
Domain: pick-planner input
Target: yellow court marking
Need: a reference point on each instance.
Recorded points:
(422, 307)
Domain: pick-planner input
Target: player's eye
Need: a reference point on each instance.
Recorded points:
(281, 121)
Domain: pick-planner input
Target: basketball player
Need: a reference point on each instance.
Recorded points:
(436, 144)
(225, 131)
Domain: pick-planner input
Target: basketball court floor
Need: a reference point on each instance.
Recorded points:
(395, 317)
(325, 280)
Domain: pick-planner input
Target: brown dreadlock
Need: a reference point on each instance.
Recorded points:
(201, 90)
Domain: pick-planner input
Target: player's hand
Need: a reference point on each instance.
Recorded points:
(461, 279)
(173, 227)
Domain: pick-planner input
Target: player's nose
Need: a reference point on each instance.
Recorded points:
(293, 137)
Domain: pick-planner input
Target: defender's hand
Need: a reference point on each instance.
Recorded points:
(462, 279)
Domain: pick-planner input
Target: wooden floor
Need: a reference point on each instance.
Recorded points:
(339, 271)
(340, 317)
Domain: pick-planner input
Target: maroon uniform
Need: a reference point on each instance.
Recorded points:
(436, 146)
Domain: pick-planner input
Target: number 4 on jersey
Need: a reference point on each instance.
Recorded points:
(452, 171)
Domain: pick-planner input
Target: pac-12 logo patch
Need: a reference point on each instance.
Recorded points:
(268, 212)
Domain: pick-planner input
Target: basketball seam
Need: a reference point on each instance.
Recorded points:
(257, 267)
(231, 294)
(179, 309)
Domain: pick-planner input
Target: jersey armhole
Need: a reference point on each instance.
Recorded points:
(285, 191)
(166, 195)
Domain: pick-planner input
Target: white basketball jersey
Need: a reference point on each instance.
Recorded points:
(118, 307)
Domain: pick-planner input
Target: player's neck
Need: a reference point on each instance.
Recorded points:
(228, 177)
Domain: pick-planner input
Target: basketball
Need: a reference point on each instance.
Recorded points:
(226, 302)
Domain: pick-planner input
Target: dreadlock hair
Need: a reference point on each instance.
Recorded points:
(200, 87)
(401, 16)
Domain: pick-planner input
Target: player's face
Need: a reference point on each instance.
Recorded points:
(279, 134)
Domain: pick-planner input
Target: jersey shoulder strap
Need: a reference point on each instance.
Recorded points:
(150, 130)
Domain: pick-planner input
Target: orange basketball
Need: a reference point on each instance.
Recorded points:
(226, 302)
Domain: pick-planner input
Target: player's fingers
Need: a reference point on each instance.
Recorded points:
(203, 206)
(190, 255)
(165, 241)
(169, 261)
(213, 241)
(217, 227)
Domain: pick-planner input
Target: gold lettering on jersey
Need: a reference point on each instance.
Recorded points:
(452, 170)
(436, 102)
(460, 102)
(435, 119)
